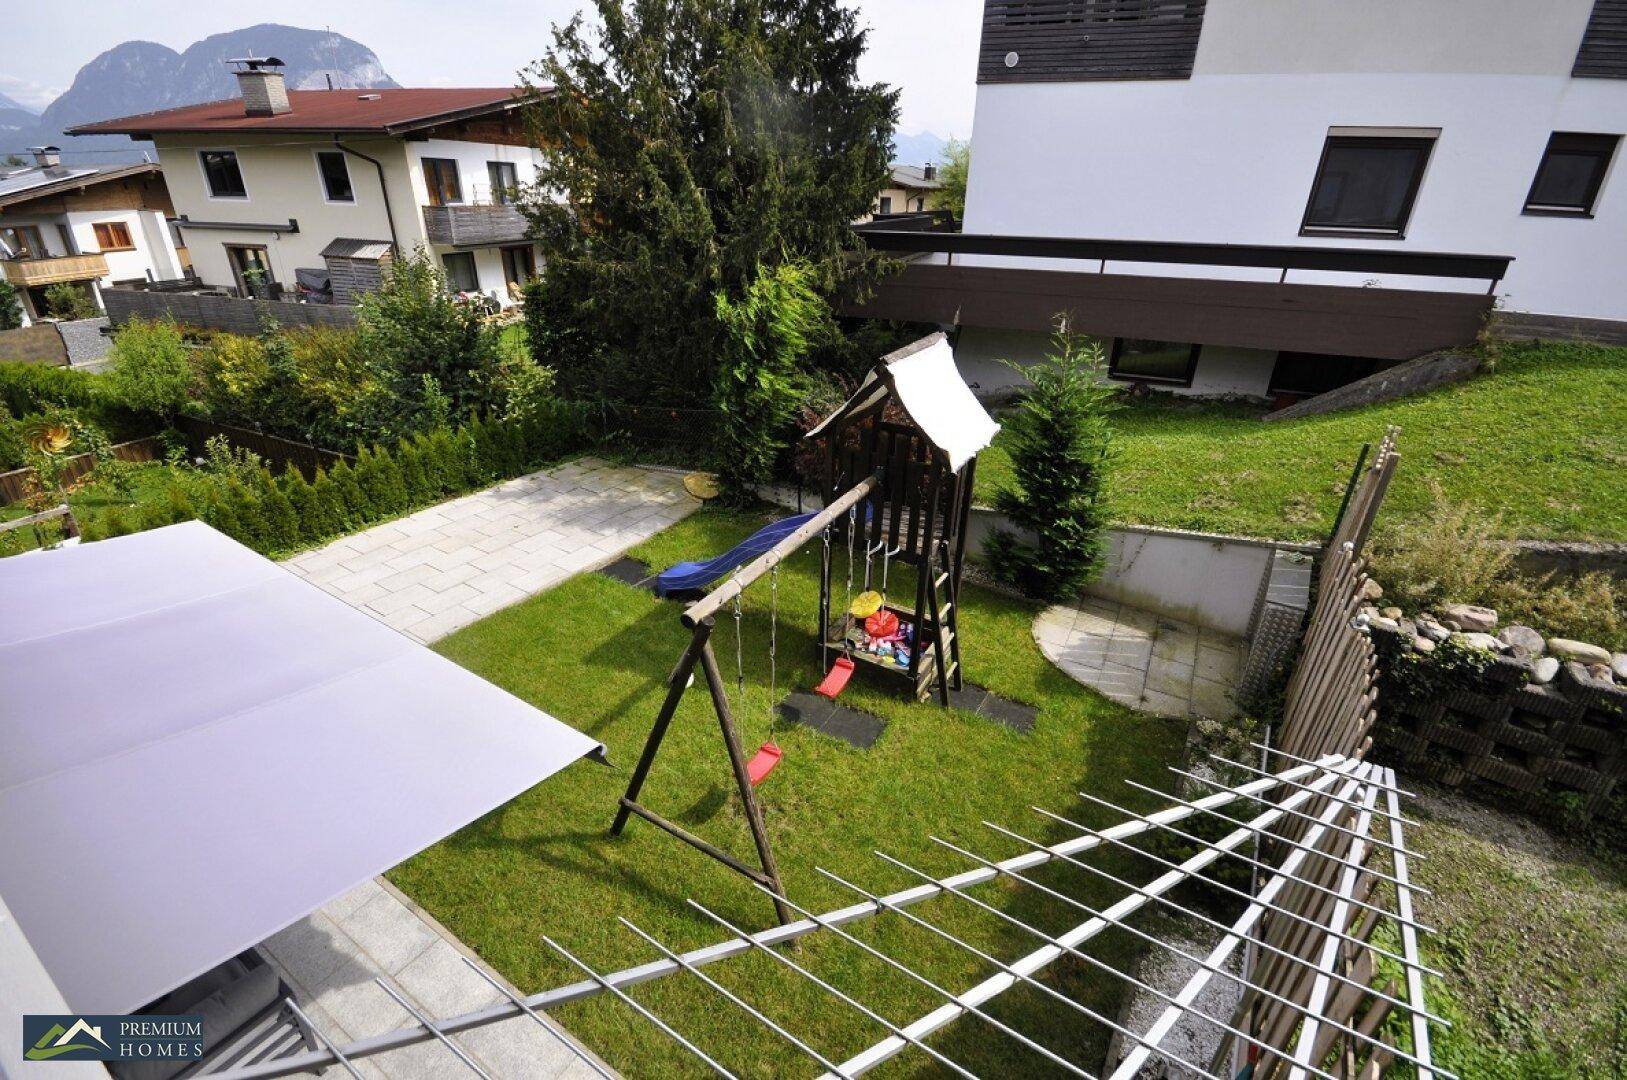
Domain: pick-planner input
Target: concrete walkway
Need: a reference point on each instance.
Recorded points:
(332, 956)
(1143, 660)
(444, 567)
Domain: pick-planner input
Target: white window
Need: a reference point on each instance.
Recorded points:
(335, 174)
(221, 174)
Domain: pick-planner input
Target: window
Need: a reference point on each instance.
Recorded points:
(251, 266)
(1365, 185)
(1571, 172)
(221, 173)
(24, 241)
(335, 173)
(441, 177)
(886, 205)
(519, 265)
(1317, 373)
(504, 180)
(460, 271)
(113, 236)
(1141, 360)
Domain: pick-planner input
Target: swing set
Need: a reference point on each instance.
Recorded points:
(896, 480)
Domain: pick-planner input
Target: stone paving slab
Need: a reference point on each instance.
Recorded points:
(444, 567)
(332, 957)
(1143, 660)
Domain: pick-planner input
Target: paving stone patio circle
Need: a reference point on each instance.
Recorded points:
(452, 564)
(1143, 660)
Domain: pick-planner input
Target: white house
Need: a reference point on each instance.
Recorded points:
(1446, 155)
(90, 227)
(337, 182)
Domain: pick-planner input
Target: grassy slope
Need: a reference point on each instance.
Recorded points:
(595, 652)
(1541, 440)
(1532, 935)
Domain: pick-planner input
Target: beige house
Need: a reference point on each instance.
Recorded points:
(909, 192)
(281, 190)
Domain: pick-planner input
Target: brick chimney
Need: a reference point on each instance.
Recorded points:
(260, 81)
(931, 171)
(46, 156)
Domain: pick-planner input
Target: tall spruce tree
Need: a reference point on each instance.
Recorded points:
(695, 143)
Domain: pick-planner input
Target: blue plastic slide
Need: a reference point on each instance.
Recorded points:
(698, 575)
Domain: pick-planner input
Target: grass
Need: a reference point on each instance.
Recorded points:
(595, 653)
(1532, 933)
(147, 481)
(1538, 440)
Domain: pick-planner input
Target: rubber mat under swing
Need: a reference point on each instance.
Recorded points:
(858, 729)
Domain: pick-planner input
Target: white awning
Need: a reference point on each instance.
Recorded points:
(197, 749)
(928, 386)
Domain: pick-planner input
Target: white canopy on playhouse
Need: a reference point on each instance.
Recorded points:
(197, 748)
(924, 380)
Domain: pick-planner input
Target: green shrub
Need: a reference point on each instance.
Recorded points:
(767, 333)
(351, 496)
(70, 300)
(1061, 446)
(282, 524)
(415, 481)
(151, 369)
(327, 508)
(412, 326)
(11, 306)
(30, 388)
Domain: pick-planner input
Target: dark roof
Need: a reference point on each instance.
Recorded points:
(376, 111)
(56, 179)
(346, 247)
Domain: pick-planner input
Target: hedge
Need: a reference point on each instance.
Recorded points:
(276, 515)
(31, 388)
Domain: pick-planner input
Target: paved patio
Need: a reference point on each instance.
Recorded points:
(332, 956)
(444, 567)
(1143, 660)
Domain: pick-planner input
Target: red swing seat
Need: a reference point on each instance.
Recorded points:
(836, 678)
(762, 763)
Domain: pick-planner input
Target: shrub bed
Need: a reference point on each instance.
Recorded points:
(276, 515)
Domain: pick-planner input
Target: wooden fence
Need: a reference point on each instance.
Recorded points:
(238, 316)
(279, 453)
(19, 483)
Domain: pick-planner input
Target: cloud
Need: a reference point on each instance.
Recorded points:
(32, 95)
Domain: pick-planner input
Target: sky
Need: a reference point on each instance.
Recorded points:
(927, 47)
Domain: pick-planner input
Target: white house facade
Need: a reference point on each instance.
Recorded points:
(280, 189)
(89, 227)
(1406, 127)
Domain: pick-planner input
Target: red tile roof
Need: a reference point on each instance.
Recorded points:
(383, 111)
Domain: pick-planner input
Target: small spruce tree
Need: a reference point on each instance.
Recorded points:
(1061, 446)
(277, 511)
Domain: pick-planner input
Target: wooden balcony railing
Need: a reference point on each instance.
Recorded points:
(26, 273)
(475, 224)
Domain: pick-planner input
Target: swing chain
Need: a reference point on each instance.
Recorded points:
(773, 638)
(739, 649)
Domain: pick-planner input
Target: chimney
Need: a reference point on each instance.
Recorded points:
(931, 171)
(260, 81)
(46, 156)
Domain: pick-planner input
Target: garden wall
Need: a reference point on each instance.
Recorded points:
(1557, 749)
(220, 312)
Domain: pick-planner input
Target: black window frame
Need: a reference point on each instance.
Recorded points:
(474, 270)
(884, 205)
(209, 175)
(1423, 143)
(440, 168)
(1184, 380)
(322, 156)
(1601, 146)
(503, 193)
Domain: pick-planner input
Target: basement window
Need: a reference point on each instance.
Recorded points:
(1141, 360)
(1570, 174)
(1366, 185)
(221, 173)
(1310, 374)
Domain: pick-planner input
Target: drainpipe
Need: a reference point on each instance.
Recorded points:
(395, 244)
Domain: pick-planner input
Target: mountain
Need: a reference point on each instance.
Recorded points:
(918, 149)
(8, 103)
(142, 76)
(16, 124)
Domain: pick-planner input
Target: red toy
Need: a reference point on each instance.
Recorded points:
(762, 763)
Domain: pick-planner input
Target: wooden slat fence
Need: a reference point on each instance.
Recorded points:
(279, 453)
(18, 484)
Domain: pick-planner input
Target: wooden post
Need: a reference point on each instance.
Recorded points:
(675, 693)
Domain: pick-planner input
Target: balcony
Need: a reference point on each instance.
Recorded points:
(27, 273)
(475, 224)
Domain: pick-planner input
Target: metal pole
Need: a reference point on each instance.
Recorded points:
(306, 1025)
(558, 1033)
(1267, 802)
(429, 1026)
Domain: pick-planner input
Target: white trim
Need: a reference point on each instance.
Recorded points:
(208, 189)
(321, 182)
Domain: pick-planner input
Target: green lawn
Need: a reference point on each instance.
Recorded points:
(1533, 930)
(1540, 440)
(147, 481)
(595, 653)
